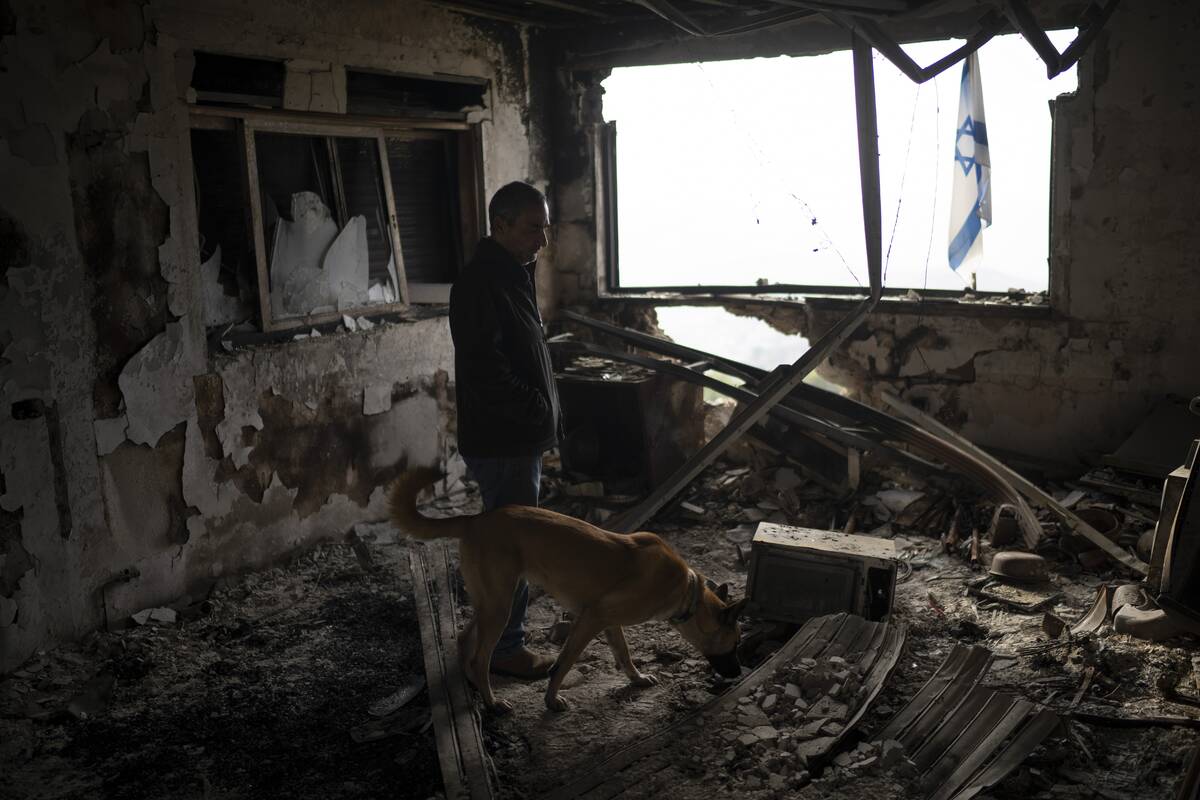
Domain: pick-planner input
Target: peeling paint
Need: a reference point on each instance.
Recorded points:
(162, 456)
(156, 384)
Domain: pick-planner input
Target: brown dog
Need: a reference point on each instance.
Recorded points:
(606, 579)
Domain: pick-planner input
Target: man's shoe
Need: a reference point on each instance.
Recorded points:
(523, 664)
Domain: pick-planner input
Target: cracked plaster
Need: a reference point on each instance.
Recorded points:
(52, 78)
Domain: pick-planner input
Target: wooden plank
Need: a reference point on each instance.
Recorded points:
(461, 756)
(1021, 484)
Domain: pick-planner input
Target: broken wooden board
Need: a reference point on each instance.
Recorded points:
(964, 738)
(1020, 485)
(466, 772)
(878, 644)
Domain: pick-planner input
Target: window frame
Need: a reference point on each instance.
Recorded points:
(245, 123)
(604, 158)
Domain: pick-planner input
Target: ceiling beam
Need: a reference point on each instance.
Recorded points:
(574, 7)
(849, 6)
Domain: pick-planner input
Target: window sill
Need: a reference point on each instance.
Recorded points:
(998, 305)
(221, 341)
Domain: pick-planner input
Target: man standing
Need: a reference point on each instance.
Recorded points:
(508, 411)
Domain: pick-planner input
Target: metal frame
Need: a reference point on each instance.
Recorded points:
(774, 391)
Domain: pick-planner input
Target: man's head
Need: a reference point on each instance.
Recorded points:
(519, 219)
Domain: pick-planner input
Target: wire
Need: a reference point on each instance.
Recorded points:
(912, 124)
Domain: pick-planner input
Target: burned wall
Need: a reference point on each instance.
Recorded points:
(1120, 330)
(1125, 274)
(130, 443)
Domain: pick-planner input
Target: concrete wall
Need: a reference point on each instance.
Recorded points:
(1125, 273)
(1125, 267)
(127, 446)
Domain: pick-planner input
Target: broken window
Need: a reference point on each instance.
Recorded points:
(319, 220)
(323, 212)
(768, 199)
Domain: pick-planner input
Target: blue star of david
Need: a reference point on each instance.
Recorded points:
(978, 135)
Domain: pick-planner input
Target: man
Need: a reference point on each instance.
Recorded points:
(508, 411)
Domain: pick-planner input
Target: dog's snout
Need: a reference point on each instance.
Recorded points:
(726, 664)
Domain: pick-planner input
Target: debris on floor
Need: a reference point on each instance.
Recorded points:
(287, 669)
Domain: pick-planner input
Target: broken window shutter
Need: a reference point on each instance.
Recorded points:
(425, 187)
(363, 194)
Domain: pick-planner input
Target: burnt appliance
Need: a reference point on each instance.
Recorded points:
(798, 573)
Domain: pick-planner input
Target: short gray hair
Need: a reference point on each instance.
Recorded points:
(512, 200)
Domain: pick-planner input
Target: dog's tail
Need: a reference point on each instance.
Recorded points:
(403, 498)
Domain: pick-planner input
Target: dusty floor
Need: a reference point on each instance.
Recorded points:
(264, 688)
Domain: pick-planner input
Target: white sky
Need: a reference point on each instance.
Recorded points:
(723, 166)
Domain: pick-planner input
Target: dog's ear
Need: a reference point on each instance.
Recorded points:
(720, 590)
(729, 615)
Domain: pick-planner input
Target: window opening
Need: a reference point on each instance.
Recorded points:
(767, 195)
(223, 80)
(370, 92)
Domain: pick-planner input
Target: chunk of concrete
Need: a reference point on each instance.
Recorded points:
(1152, 624)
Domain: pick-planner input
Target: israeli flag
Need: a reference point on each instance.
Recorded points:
(971, 198)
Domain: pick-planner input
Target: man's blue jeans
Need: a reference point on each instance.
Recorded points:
(509, 481)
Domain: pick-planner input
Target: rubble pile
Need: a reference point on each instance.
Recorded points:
(779, 735)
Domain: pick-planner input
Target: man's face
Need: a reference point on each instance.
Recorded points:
(525, 236)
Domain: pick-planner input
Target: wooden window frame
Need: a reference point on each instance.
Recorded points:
(247, 122)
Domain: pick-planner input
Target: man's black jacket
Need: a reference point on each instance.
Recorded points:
(507, 402)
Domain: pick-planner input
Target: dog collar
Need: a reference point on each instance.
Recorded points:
(694, 589)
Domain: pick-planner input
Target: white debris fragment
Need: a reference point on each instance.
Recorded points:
(364, 324)
(349, 322)
(298, 251)
(156, 383)
(346, 264)
(377, 399)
